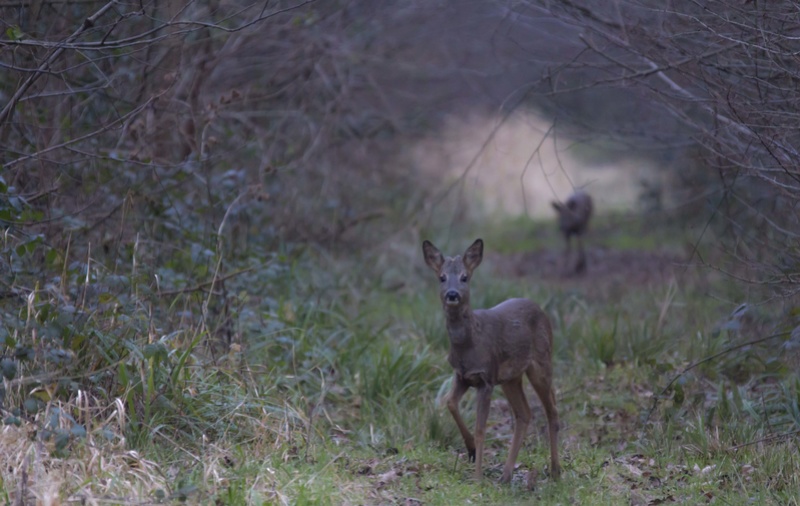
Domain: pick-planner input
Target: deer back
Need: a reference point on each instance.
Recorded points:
(574, 214)
(512, 335)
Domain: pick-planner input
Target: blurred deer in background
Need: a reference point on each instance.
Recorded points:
(573, 219)
(490, 347)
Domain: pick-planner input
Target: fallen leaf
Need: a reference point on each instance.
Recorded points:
(633, 470)
(389, 476)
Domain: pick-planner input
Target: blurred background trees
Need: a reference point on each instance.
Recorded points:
(175, 110)
(294, 118)
(710, 89)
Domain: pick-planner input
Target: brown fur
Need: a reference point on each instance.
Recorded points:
(490, 347)
(573, 219)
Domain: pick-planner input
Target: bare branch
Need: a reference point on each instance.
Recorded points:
(7, 111)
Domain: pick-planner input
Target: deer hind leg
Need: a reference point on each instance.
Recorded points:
(459, 388)
(522, 416)
(542, 382)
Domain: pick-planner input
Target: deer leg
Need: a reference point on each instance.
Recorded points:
(459, 388)
(567, 254)
(522, 416)
(542, 382)
(483, 400)
(580, 265)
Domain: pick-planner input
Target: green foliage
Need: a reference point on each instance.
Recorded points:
(392, 373)
(295, 375)
(602, 345)
(188, 314)
(210, 323)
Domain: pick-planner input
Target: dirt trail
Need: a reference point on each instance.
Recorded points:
(519, 169)
(604, 266)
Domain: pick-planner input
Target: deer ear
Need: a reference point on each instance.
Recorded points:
(557, 206)
(433, 257)
(473, 255)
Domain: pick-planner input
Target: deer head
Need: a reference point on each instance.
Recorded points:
(454, 272)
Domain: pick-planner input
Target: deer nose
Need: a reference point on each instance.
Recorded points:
(452, 296)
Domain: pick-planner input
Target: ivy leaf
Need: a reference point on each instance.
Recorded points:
(14, 33)
(78, 431)
(8, 366)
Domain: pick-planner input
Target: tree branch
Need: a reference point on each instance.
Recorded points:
(709, 359)
(8, 111)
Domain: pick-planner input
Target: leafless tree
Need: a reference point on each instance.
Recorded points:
(176, 109)
(712, 83)
(112, 105)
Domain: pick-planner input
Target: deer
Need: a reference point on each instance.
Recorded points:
(573, 219)
(490, 347)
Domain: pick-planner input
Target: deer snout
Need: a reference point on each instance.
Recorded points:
(452, 297)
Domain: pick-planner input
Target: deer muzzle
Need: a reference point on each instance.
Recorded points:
(452, 298)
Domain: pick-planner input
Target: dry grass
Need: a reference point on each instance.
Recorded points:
(94, 471)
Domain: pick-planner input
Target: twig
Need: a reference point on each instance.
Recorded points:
(147, 37)
(536, 151)
(20, 5)
(767, 439)
(708, 359)
(8, 110)
(202, 285)
(103, 128)
(50, 377)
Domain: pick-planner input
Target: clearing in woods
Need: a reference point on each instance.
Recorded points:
(337, 397)
(332, 390)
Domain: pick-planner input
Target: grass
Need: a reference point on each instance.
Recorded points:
(615, 231)
(330, 392)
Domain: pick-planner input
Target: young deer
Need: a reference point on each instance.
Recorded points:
(491, 347)
(573, 219)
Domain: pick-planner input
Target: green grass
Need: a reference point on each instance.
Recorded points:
(331, 392)
(615, 231)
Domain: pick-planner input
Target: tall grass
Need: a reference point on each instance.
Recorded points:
(304, 378)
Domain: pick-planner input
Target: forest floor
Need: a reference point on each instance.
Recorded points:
(667, 391)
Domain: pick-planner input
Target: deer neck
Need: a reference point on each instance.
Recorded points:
(460, 325)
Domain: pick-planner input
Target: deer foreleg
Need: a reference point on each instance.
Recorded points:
(483, 400)
(580, 265)
(567, 260)
(459, 388)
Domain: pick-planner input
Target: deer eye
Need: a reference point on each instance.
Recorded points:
(443, 277)
(464, 278)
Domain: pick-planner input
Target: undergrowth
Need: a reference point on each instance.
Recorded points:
(287, 375)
